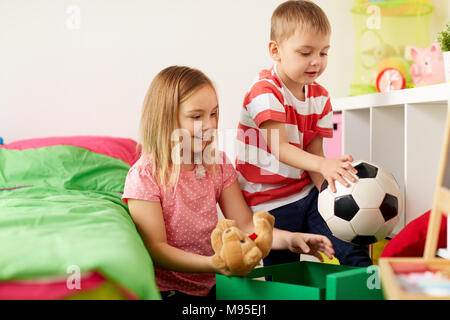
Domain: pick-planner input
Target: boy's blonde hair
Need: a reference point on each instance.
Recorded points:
(290, 15)
(169, 89)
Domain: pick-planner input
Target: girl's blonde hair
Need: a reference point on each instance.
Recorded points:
(169, 89)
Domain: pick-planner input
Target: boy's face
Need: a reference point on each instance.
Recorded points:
(302, 57)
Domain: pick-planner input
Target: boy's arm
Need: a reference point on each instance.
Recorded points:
(285, 152)
(331, 169)
(316, 147)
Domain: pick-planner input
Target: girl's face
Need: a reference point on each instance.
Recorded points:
(199, 116)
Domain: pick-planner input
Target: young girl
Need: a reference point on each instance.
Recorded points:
(172, 194)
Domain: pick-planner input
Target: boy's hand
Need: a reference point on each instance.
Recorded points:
(338, 169)
(311, 244)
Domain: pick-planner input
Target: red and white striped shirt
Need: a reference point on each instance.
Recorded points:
(266, 182)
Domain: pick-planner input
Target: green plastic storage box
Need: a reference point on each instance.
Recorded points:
(302, 280)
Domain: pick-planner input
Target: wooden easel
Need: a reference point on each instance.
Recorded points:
(441, 202)
(441, 205)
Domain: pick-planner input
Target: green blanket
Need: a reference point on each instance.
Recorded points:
(69, 212)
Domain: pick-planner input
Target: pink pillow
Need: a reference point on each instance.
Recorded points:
(120, 148)
(410, 242)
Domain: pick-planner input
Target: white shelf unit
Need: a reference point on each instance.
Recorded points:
(403, 132)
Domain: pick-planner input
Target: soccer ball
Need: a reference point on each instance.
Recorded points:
(367, 211)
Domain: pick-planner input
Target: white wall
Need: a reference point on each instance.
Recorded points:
(57, 80)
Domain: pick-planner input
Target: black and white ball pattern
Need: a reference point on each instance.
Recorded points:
(367, 211)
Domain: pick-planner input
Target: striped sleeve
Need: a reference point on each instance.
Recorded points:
(264, 102)
(324, 124)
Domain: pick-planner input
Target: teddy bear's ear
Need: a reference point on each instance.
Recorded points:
(265, 215)
(264, 223)
(232, 250)
(216, 235)
(216, 240)
(225, 224)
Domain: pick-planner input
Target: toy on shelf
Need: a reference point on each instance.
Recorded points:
(373, 49)
(428, 67)
(390, 79)
(393, 74)
(238, 252)
(365, 212)
(383, 29)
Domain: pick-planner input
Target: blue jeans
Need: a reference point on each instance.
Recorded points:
(303, 216)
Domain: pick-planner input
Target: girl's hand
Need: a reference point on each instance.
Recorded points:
(229, 273)
(311, 244)
(226, 272)
(338, 169)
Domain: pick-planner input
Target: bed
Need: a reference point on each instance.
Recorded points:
(65, 233)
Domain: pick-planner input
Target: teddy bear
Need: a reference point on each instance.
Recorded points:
(238, 252)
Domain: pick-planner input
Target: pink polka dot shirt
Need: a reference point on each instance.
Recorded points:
(190, 215)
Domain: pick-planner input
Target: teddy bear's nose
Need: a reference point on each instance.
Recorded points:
(242, 241)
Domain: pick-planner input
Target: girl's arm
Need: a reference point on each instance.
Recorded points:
(149, 221)
(234, 207)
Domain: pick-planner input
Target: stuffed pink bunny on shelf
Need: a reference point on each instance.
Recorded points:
(428, 67)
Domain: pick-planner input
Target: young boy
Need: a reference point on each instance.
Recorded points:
(285, 117)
